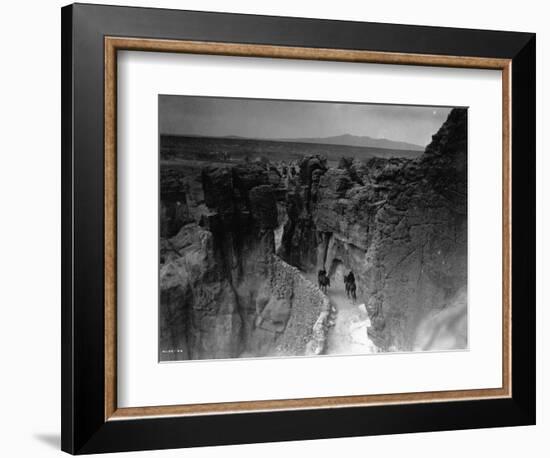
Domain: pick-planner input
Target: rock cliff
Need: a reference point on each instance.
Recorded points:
(224, 292)
(399, 224)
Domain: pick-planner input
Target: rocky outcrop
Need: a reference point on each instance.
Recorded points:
(300, 238)
(199, 314)
(399, 224)
(291, 316)
(224, 292)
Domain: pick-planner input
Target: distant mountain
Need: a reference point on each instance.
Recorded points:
(357, 140)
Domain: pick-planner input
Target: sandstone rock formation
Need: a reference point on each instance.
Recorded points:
(236, 237)
(399, 224)
(224, 292)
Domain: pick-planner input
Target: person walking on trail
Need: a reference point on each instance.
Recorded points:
(351, 289)
(323, 280)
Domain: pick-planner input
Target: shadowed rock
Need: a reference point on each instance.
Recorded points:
(224, 293)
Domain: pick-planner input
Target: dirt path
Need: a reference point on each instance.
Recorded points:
(348, 336)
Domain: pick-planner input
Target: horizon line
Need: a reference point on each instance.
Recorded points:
(296, 139)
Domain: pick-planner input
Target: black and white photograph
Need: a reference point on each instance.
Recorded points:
(302, 228)
(275, 229)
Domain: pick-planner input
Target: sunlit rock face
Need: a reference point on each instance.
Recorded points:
(399, 224)
(444, 329)
(200, 310)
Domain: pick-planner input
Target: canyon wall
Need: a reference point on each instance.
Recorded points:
(400, 225)
(223, 291)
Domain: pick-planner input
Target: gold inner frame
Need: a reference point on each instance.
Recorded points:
(114, 44)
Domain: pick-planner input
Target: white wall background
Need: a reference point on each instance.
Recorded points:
(30, 227)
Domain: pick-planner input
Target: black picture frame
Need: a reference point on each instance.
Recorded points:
(84, 428)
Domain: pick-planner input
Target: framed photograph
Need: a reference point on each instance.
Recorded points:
(270, 222)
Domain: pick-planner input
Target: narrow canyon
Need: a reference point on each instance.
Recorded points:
(242, 244)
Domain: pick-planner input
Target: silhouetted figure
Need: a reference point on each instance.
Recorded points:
(323, 280)
(351, 288)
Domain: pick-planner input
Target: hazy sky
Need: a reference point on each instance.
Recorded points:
(256, 118)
